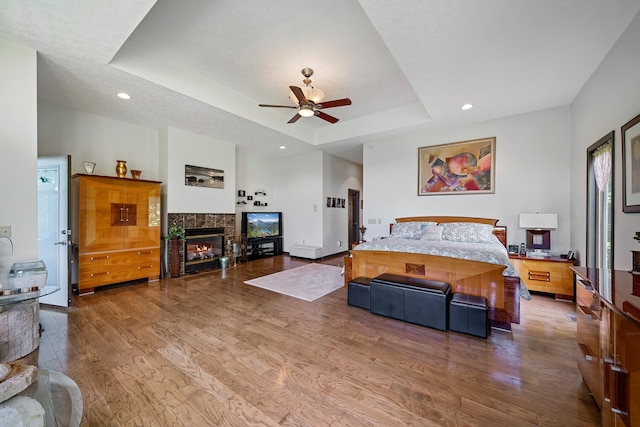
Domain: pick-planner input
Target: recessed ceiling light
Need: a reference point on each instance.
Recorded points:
(123, 95)
(282, 147)
(467, 106)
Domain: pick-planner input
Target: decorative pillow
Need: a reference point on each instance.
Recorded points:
(433, 232)
(409, 230)
(467, 232)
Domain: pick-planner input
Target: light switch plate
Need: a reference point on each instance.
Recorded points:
(5, 231)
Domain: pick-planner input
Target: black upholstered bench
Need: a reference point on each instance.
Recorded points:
(468, 314)
(421, 301)
(358, 292)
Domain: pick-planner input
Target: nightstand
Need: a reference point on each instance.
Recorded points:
(551, 275)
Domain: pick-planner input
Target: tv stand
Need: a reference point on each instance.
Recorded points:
(264, 247)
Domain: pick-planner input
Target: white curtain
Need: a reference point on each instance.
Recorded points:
(602, 166)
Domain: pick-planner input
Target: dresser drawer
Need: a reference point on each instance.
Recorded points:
(104, 268)
(546, 275)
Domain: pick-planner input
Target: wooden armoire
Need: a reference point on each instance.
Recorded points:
(118, 230)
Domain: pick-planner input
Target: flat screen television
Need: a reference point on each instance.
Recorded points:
(258, 225)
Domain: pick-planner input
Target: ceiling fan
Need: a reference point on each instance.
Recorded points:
(309, 101)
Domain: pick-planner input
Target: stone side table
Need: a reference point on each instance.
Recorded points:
(20, 323)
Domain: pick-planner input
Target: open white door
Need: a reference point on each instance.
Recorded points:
(53, 225)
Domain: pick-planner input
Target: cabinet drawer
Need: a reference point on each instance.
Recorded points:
(106, 268)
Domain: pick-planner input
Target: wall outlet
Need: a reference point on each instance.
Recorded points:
(5, 231)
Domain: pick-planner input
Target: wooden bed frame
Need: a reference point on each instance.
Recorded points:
(465, 276)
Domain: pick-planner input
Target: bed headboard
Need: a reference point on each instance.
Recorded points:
(499, 231)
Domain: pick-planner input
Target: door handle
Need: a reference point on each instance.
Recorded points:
(63, 243)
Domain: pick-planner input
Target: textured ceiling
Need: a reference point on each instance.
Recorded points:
(204, 66)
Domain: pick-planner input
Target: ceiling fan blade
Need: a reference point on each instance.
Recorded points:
(277, 106)
(335, 103)
(325, 116)
(298, 93)
(294, 118)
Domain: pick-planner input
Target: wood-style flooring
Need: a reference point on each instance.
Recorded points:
(208, 350)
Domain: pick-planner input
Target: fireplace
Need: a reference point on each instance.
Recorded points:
(203, 248)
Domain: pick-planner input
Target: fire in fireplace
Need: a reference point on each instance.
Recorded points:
(203, 248)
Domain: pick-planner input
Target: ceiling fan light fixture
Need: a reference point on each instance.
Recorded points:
(310, 92)
(306, 111)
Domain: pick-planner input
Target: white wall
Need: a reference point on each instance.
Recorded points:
(18, 162)
(298, 187)
(532, 174)
(186, 148)
(90, 137)
(338, 176)
(610, 98)
(299, 195)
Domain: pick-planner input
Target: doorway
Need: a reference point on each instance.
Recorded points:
(354, 217)
(53, 225)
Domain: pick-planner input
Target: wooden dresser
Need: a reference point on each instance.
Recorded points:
(608, 335)
(552, 275)
(118, 230)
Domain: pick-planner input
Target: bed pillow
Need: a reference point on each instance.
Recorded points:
(409, 230)
(467, 232)
(433, 232)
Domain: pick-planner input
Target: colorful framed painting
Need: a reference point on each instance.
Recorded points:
(466, 167)
(631, 166)
(203, 177)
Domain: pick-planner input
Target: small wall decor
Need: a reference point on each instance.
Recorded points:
(203, 177)
(335, 202)
(466, 167)
(241, 193)
(631, 165)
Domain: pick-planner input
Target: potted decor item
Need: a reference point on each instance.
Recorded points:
(175, 235)
(635, 266)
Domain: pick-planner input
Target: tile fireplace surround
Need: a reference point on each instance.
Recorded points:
(206, 220)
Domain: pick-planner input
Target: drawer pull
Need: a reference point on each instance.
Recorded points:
(542, 276)
(96, 258)
(145, 252)
(105, 273)
(145, 266)
(587, 353)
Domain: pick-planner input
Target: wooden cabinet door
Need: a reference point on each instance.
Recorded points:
(625, 374)
(100, 225)
(621, 371)
(143, 203)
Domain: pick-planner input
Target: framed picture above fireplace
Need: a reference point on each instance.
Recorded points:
(199, 176)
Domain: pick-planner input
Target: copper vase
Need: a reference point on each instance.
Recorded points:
(121, 168)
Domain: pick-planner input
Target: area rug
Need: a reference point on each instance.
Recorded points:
(309, 282)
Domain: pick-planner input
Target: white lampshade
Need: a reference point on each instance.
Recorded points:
(306, 111)
(311, 93)
(539, 221)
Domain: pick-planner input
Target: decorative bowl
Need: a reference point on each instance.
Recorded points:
(136, 173)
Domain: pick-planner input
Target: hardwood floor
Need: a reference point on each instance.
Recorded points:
(207, 349)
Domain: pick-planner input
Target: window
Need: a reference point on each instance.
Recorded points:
(600, 203)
